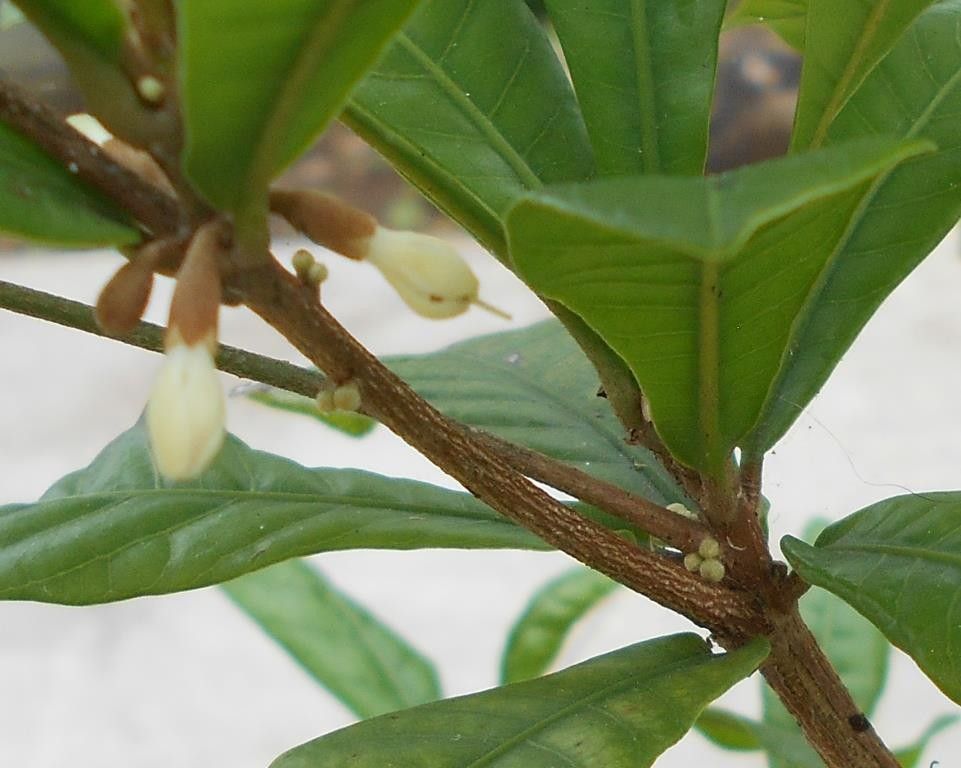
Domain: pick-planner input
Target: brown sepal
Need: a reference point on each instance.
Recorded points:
(197, 296)
(326, 220)
(124, 298)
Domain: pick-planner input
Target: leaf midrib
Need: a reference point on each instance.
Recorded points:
(583, 702)
(838, 97)
(647, 101)
(497, 139)
(323, 31)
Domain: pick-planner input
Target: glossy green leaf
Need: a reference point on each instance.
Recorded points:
(697, 282)
(260, 79)
(621, 709)
(644, 76)
(115, 530)
(911, 755)
(472, 105)
(843, 42)
(881, 559)
(728, 730)
(787, 18)
(41, 200)
(535, 388)
(346, 649)
(348, 422)
(537, 636)
(915, 93)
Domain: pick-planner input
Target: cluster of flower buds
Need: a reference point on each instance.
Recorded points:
(427, 272)
(706, 561)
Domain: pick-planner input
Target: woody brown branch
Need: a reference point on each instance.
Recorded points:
(796, 667)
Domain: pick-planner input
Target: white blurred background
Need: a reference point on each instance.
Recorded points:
(186, 680)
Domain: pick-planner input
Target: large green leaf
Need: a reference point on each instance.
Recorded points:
(644, 74)
(114, 530)
(42, 200)
(346, 649)
(473, 106)
(843, 42)
(260, 79)
(786, 17)
(538, 634)
(898, 562)
(618, 710)
(697, 282)
(535, 388)
(915, 93)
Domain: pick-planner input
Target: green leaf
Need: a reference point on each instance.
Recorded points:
(621, 709)
(728, 730)
(538, 634)
(843, 43)
(898, 562)
(644, 75)
(471, 104)
(909, 756)
(114, 530)
(346, 649)
(915, 93)
(696, 282)
(348, 422)
(41, 200)
(535, 388)
(787, 18)
(260, 79)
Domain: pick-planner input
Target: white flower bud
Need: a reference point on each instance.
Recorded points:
(186, 412)
(428, 273)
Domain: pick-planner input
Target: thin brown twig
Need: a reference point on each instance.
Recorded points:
(156, 211)
(675, 530)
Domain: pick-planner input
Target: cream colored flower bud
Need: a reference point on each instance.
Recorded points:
(186, 412)
(428, 273)
(692, 561)
(347, 397)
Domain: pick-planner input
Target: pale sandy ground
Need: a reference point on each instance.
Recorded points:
(187, 681)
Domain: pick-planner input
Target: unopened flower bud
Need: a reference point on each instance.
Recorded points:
(325, 401)
(709, 549)
(428, 273)
(692, 561)
(302, 261)
(347, 397)
(186, 412)
(712, 570)
(151, 89)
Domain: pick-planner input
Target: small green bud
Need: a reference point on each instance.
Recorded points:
(325, 401)
(712, 570)
(709, 549)
(347, 397)
(692, 561)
